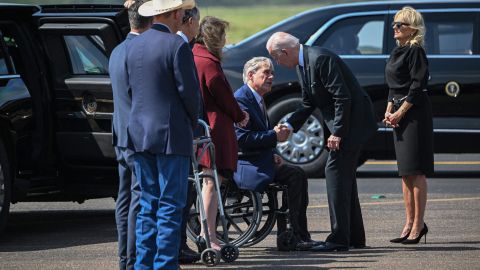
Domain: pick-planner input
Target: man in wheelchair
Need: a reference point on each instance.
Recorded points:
(258, 164)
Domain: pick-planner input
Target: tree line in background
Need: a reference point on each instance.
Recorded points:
(223, 3)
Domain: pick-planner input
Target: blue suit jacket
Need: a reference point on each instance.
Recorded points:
(165, 93)
(122, 99)
(257, 142)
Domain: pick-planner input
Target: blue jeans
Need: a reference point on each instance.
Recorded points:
(163, 180)
(127, 208)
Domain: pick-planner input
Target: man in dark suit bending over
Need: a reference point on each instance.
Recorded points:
(259, 165)
(329, 85)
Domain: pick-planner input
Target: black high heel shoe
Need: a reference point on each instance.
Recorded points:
(423, 232)
(400, 239)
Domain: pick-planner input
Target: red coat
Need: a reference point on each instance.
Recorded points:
(221, 108)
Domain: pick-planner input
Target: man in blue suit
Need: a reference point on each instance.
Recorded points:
(258, 165)
(165, 104)
(127, 205)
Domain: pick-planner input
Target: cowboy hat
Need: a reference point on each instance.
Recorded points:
(156, 7)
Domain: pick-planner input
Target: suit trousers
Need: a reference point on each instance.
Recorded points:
(127, 207)
(344, 207)
(297, 190)
(163, 180)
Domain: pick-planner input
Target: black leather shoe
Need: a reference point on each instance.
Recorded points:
(358, 246)
(186, 256)
(308, 244)
(329, 247)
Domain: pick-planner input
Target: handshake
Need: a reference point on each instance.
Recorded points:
(283, 132)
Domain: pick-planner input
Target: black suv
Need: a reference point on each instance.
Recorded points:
(363, 37)
(56, 102)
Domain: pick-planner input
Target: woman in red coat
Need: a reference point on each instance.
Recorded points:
(222, 111)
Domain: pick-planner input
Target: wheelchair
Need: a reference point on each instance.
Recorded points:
(250, 216)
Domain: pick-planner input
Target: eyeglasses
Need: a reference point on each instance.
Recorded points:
(399, 24)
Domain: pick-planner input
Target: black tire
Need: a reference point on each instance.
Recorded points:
(267, 221)
(5, 186)
(242, 210)
(314, 165)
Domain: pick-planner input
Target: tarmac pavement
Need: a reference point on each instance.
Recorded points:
(72, 236)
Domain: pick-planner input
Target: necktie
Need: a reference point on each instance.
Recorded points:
(263, 107)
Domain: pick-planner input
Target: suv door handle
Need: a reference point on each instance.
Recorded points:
(89, 107)
(98, 115)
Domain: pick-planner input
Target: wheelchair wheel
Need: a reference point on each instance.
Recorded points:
(269, 217)
(242, 214)
(229, 253)
(210, 257)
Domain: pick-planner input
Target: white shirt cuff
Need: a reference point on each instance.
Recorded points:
(288, 126)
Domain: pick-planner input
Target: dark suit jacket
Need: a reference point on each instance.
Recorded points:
(330, 86)
(122, 99)
(165, 93)
(257, 142)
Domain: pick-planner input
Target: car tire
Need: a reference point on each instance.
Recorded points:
(5, 186)
(314, 164)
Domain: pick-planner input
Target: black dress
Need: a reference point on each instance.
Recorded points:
(407, 76)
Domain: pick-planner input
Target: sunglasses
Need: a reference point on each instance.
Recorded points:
(399, 24)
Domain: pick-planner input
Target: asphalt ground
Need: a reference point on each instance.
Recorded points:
(83, 236)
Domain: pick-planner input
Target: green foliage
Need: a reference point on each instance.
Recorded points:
(245, 21)
(246, 17)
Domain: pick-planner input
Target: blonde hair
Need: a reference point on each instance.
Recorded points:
(415, 20)
(211, 32)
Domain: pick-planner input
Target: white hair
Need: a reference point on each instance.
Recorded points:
(281, 40)
(255, 64)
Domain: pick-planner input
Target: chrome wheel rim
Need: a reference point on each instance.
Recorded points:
(304, 146)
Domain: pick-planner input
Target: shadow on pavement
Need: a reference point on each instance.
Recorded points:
(43, 230)
(437, 174)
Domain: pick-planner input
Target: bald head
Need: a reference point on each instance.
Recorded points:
(284, 48)
(282, 40)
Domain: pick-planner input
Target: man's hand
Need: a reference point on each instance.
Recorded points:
(128, 3)
(282, 132)
(333, 143)
(277, 159)
(244, 122)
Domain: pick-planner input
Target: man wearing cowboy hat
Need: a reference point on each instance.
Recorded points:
(165, 103)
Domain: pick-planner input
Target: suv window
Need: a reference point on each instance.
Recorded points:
(87, 54)
(452, 34)
(354, 36)
(3, 63)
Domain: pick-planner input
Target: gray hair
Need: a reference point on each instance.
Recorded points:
(135, 19)
(254, 64)
(282, 40)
